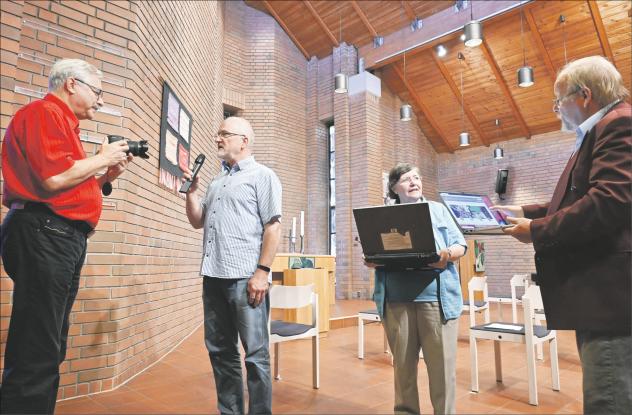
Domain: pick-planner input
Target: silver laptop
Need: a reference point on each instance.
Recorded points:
(473, 215)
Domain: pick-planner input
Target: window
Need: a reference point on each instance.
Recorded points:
(331, 136)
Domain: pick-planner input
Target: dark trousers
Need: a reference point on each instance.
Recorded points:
(43, 255)
(607, 369)
(227, 318)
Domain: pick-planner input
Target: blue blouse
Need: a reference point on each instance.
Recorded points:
(441, 285)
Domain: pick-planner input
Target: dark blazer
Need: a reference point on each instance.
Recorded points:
(582, 237)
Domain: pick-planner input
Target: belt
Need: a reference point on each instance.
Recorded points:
(79, 225)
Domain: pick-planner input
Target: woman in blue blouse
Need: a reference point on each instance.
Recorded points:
(420, 309)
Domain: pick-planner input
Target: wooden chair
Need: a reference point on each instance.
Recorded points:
(527, 333)
(289, 297)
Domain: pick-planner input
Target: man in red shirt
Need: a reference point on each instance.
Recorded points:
(53, 192)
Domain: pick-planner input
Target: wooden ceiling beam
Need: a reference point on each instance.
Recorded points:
(438, 28)
(409, 10)
(459, 97)
(320, 21)
(424, 108)
(274, 14)
(363, 17)
(601, 31)
(535, 33)
(503, 85)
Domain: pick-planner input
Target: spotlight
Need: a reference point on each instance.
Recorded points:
(441, 51)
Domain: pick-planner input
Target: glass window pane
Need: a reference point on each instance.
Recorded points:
(332, 193)
(332, 244)
(332, 220)
(332, 165)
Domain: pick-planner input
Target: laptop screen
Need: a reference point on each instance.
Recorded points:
(472, 211)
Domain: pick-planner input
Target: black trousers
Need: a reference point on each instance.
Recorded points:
(43, 254)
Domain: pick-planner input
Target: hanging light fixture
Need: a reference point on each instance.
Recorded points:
(340, 79)
(525, 74)
(464, 137)
(498, 151)
(405, 111)
(473, 30)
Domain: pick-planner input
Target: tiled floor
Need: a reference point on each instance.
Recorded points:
(182, 383)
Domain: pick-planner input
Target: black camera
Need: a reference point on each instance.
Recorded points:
(137, 148)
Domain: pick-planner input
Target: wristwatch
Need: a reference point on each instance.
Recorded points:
(263, 268)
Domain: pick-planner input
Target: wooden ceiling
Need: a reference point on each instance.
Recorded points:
(490, 91)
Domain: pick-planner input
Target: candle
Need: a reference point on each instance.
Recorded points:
(293, 227)
(302, 223)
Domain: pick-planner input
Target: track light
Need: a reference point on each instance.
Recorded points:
(416, 24)
(378, 41)
(441, 51)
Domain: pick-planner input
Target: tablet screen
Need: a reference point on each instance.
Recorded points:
(472, 211)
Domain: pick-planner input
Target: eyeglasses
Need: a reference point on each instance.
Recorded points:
(558, 101)
(409, 179)
(225, 134)
(96, 91)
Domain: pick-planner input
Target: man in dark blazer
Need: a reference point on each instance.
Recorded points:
(582, 236)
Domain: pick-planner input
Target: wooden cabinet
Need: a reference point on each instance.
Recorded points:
(327, 262)
(306, 276)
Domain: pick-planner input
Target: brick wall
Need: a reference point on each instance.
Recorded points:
(270, 72)
(534, 167)
(140, 287)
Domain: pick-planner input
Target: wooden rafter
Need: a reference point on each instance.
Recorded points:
(409, 10)
(363, 17)
(274, 14)
(320, 21)
(457, 94)
(601, 31)
(424, 108)
(535, 33)
(503, 85)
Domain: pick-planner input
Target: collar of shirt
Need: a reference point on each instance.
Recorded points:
(240, 165)
(590, 122)
(73, 121)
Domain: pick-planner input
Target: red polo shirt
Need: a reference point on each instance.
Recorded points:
(42, 141)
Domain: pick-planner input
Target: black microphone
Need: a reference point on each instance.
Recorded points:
(199, 160)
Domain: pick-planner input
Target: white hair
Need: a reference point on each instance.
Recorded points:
(70, 68)
(597, 74)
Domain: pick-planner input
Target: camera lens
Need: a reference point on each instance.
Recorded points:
(136, 148)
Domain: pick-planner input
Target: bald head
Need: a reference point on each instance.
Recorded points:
(239, 125)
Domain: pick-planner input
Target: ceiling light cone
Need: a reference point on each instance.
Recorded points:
(473, 33)
(498, 153)
(464, 139)
(405, 112)
(525, 76)
(340, 83)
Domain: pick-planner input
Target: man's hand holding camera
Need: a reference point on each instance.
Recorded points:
(116, 156)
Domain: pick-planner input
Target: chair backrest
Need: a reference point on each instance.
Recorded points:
(477, 284)
(531, 301)
(518, 280)
(288, 296)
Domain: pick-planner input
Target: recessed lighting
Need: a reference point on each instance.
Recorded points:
(441, 51)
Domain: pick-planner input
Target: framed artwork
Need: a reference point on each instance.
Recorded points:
(175, 139)
(479, 254)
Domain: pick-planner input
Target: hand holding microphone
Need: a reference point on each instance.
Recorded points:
(191, 178)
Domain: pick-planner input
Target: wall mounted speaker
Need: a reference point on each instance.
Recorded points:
(501, 181)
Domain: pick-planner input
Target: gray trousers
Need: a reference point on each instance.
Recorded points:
(227, 318)
(410, 326)
(607, 368)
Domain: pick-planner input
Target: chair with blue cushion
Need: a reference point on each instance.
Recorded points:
(294, 297)
(528, 333)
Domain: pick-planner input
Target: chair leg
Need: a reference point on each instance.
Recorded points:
(360, 338)
(539, 347)
(315, 362)
(498, 362)
(277, 376)
(555, 369)
(474, 362)
(533, 382)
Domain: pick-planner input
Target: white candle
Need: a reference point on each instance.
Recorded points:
(302, 223)
(294, 227)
